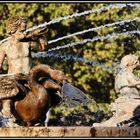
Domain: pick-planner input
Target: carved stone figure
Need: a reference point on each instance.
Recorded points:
(17, 50)
(128, 85)
(125, 81)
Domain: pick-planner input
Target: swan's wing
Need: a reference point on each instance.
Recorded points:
(8, 87)
(73, 96)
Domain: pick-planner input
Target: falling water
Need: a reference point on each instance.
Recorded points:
(93, 29)
(3, 121)
(80, 59)
(76, 15)
(71, 57)
(65, 56)
(109, 36)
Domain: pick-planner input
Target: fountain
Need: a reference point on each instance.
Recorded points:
(70, 95)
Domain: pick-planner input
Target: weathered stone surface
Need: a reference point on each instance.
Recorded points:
(78, 132)
(123, 105)
(56, 131)
(24, 132)
(117, 132)
(70, 132)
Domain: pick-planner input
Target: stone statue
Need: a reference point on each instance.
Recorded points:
(125, 81)
(17, 50)
(128, 85)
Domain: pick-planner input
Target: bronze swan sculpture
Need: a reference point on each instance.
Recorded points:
(32, 108)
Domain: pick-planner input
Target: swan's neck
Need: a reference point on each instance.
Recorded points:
(36, 73)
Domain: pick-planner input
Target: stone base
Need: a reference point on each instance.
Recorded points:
(69, 132)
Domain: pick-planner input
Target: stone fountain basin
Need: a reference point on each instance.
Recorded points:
(79, 131)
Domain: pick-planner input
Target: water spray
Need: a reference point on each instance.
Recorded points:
(109, 36)
(93, 29)
(77, 15)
